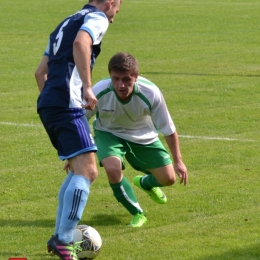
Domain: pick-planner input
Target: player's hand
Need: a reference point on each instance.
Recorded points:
(90, 98)
(181, 171)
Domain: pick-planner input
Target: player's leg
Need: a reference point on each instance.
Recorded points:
(159, 177)
(111, 153)
(165, 176)
(74, 142)
(123, 190)
(76, 195)
(60, 200)
(154, 160)
(121, 187)
(74, 201)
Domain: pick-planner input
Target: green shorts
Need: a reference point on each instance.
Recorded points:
(140, 157)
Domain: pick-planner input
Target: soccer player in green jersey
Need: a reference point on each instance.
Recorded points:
(130, 113)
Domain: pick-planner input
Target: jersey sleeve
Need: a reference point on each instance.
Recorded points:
(161, 116)
(96, 24)
(47, 50)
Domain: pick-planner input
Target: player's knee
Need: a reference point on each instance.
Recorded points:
(113, 174)
(111, 169)
(169, 180)
(90, 173)
(94, 173)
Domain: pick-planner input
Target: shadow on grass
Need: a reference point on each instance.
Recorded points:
(244, 253)
(103, 220)
(96, 220)
(202, 74)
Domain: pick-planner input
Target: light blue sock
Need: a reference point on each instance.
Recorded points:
(60, 201)
(74, 202)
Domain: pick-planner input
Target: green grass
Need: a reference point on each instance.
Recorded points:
(204, 55)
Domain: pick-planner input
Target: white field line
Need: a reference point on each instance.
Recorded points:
(215, 138)
(182, 136)
(18, 124)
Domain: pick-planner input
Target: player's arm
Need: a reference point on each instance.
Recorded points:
(82, 48)
(41, 72)
(163, 121)
(179, 167)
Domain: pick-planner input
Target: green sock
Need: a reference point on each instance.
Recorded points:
(149, 181)
(124, 193)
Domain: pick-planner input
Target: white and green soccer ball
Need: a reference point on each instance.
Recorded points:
(90, 239)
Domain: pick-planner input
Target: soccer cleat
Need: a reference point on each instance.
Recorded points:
(138, 220)
(49, 250)
(155, 193)
(62, 250)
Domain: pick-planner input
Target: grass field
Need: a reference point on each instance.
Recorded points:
(204, 55)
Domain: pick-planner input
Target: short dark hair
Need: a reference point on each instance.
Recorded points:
(97, 1)
(103, 1)
(122, 62)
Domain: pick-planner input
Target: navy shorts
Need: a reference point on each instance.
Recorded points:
(68, 130)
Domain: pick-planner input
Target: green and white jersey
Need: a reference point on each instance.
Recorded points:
(137, 120)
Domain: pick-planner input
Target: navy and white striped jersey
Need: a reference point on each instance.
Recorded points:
(63, 87)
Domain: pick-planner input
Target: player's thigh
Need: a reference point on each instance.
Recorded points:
(111, 152)
(109, 145)
(165, 175)
(149, 156)
(113, 168)
(48, 125)
(74, 135)
(68, 130)
(152, 158)
(84, 164)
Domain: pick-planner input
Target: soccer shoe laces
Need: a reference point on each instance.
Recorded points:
(76, 249)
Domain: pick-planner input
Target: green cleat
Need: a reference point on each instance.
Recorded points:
(155, 193)
(138, 220)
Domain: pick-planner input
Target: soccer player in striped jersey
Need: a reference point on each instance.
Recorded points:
(64, 80)
(130, 113)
